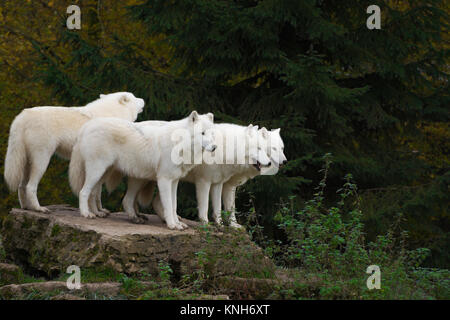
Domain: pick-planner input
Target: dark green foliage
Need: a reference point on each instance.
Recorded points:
(425, 210)
(328, 242)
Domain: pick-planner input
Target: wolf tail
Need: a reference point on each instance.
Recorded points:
(16, 154)
(76, 170)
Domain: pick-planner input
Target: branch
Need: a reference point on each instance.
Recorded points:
(39, 44)
(102, 26)
(23, 76)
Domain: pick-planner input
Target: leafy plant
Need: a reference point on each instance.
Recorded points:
(165, 271)
(328, 242)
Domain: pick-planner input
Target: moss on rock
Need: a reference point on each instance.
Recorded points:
(49, 243)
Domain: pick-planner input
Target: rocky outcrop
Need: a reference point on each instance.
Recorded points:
(10, 273)
(21, 290)
(58, 290)
(49, 243)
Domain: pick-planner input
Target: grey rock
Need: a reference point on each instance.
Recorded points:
(51, 242)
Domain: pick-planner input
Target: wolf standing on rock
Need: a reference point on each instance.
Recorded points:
(37, 133)
(142, 152)
(209, 178)
(275, 150)
(221, 180)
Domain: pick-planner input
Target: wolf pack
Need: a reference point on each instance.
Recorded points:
(104, 144)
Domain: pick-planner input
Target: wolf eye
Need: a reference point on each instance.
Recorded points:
(203, 133)
(259, 148)
(273, 148)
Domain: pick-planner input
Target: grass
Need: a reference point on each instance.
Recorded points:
(93, 275)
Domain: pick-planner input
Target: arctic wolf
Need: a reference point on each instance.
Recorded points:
(37, 133)
(209, 178)
(275, 150)
(142, 152)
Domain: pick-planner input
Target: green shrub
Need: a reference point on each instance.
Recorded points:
(328, 242)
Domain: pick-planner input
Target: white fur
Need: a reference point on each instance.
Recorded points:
(275, 149)
(140, 152)
(37, 133)
(209, 178)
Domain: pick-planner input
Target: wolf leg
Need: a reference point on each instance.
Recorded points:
(94, 173)
(202, 188)
(157, 206)
(22, 192)
(128, 202)
(174, 205)
(229, 196)
(39, 164)
(216, 198)
(94, 200)
(165, 191)
(98, 201)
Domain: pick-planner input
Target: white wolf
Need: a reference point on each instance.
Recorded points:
(208, 178)
(275, 150)
(37, 133)
(142, 152)
(239, 175)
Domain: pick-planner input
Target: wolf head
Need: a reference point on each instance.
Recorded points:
(274, 146)
(127, 100)
(257, 148)
(201, 128)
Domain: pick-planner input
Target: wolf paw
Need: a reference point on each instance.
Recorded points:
(175, 226)
(236, 225)
(41, 209)
(183, 225)
(101, 214)
(138, 220)
(89, 215)
(106, 211)
(142, 216)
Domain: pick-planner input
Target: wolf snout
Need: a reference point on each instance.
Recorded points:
(258, 165)
(283, 163)
(211, 148)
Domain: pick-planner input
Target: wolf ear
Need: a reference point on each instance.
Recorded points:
(102, 96)
(193, 116)
(276, 130)
(124, 99)
(264, 132)
(251, 130)
(210, 116)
